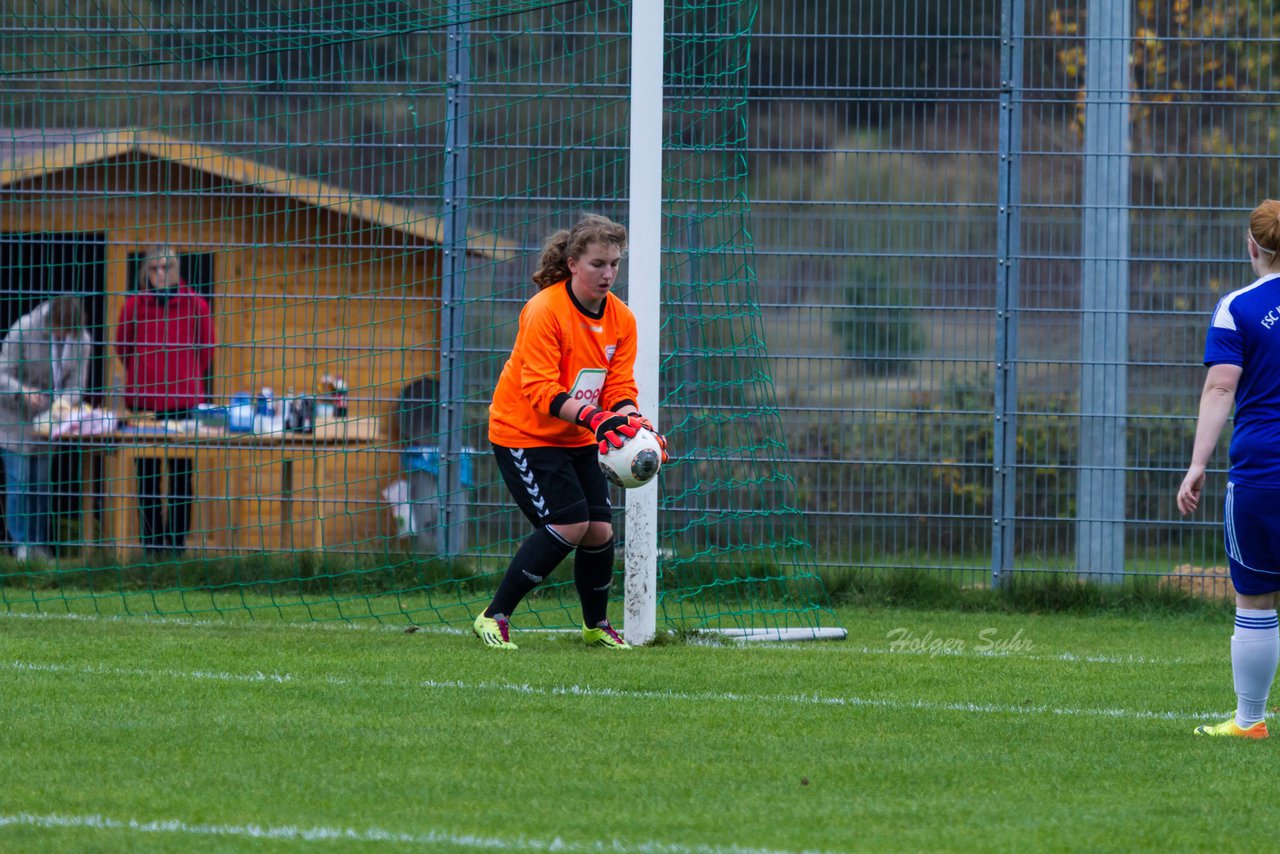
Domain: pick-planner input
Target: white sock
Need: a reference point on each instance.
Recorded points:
(1255, 651)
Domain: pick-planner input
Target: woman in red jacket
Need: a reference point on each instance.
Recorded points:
(165, 340)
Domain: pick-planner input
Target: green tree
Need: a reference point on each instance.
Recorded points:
(878, 324)
(1198, 66)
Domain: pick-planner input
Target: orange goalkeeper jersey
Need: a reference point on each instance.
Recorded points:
(562, 349)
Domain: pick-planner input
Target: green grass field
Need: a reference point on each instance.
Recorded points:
(925, 730)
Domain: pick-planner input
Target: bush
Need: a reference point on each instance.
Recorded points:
(921, 480)
(879, 323)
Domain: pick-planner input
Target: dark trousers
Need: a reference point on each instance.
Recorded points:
(160, 529)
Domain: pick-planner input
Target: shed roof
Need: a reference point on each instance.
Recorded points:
(38, 153)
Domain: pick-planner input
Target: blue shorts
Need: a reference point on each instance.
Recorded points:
(1251, 523)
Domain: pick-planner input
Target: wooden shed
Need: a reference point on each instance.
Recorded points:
(304, 278)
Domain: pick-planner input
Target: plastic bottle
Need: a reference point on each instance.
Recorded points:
(266, 402)
(240, 413)
(289, 411)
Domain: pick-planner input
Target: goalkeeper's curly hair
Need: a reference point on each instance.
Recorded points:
(567, 243)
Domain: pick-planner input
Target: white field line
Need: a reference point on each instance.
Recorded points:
(346, 834)
(831, 647)
(850, 649)
(362, 624)
(587, 691)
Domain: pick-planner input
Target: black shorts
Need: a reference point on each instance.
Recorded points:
(556, 486)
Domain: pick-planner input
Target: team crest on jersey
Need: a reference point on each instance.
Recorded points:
(609, 350)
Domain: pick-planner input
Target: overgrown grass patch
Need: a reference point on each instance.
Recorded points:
(1024, 592)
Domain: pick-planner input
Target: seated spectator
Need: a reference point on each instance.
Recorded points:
(44, 359)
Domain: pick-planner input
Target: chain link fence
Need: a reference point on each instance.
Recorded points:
(988, 238)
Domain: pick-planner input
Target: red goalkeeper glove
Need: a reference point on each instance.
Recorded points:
(662, 440)
(611, 429)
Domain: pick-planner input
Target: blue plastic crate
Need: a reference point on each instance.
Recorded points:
(427, 458)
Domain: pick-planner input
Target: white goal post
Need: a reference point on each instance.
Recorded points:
(644, 273)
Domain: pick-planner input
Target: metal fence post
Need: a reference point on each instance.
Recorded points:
(453, 506)
(1005, 428)
(1104, 294)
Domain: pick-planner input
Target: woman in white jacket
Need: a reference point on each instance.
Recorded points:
(44, 357)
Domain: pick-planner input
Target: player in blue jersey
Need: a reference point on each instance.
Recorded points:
(1242, 353)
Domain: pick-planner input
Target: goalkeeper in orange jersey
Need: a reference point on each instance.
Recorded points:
(567, 393)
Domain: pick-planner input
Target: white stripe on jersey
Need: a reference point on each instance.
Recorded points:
(1222, 318)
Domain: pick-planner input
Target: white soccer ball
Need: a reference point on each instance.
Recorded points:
(635, 463)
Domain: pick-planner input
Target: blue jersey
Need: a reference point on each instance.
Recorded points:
(1245, 331)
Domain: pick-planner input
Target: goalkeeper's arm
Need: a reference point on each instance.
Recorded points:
(607, 425)
(611, 429)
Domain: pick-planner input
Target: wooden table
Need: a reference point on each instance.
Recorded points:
(252, 492)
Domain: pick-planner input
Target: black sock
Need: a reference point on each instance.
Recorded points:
(593, 576)
(535, 560)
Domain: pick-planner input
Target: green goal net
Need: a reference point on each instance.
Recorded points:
(341, 204)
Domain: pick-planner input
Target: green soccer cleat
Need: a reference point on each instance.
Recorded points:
(494, 631)
(1231, 728)
(603, 635)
